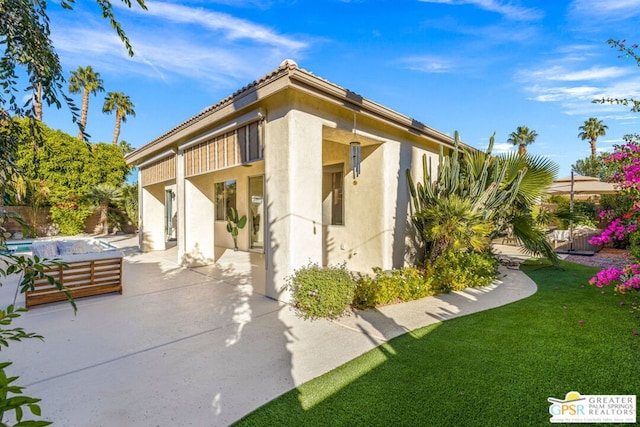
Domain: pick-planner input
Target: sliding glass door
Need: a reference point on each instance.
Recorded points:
(256, 204)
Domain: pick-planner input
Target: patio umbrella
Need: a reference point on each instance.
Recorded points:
(581, 185)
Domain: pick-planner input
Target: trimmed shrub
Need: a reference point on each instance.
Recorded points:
(319, 292)
(455, 271)
(388, 287)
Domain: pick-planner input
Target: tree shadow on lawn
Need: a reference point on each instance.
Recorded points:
(496, 367)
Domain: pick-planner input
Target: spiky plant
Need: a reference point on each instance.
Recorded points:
(497, 190)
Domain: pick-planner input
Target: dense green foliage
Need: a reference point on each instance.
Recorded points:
(321, 292)
(590, 166)
(452, 271)
(68, 165)
(130, 202)
(475, 196)
(69, 168)
(584, 212)
(492, 368)
(388, 287)
(455, 270)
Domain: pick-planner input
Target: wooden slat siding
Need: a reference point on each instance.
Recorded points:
(220, 152)
(243, 144)
(213, 148)
(81, 278)
(254, 151)
(230, 142)
(238, 146)
(159, 171)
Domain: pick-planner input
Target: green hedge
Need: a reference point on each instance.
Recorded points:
(328, 292)
(388, 287)
(455, 271)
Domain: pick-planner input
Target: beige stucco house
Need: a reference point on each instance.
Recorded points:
(280, 151)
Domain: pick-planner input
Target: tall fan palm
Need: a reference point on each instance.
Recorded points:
(104, 195)
(522, 137)
(122, 105)
(87, 81)
(591, 130)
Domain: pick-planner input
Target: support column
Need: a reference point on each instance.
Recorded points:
(293, 184)
(180, 200)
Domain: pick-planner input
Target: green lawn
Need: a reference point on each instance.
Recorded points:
(494, 368)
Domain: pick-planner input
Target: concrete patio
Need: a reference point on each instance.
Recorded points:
(198, 346)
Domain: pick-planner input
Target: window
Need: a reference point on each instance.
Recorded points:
(333, 194)
(225, 199)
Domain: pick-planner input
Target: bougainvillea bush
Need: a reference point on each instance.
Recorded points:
(625, 161)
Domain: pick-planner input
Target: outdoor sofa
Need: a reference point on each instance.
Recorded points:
(91, 269)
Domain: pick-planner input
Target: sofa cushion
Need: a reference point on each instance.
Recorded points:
(91, 246)
(45, 249)
(69, 247)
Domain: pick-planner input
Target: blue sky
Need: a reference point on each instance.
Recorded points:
(476, 66)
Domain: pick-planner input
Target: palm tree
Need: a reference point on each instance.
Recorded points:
(87, 81)
(486, 194)
(454, 224)
(125, 147)
(123, 107)
(522, 137)
(591, 130)
(104, 195)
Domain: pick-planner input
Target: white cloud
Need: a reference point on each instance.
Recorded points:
(503, 147)
(172, 41)
(429, 64)
(607, 9)
(506, 9)
(560, 73)
(230, 27)
(572, 81)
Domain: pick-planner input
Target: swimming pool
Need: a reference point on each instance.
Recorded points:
(17, 248)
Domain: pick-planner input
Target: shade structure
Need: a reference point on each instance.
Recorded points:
(581, 185)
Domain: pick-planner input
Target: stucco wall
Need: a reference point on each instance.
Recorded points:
(206, 238)
(361, 240)
(301, 134)
(152, 235)
(293, 171)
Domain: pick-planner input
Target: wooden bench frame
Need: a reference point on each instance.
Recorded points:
(81, 278)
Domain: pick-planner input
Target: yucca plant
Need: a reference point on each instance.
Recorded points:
(498, 192)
